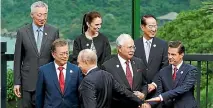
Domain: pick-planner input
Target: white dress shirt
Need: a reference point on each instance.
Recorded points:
(123, 64)
(58, 72)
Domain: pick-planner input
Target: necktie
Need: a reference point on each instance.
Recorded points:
(147, 51)
(38, 40)
(61, 78)
(174, 73)
(128, 74)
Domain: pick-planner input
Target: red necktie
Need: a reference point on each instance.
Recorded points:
(61, 78)
(174, 73)
(128, 74)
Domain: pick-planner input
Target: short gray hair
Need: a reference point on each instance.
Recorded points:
(38, 4)
(123, 37)
(87, 55)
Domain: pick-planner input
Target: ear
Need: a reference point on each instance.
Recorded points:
(87, 24)
(53, 54)
(142, 27)
(31, 14)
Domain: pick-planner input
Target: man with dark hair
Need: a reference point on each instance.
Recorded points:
(32, 50)
(152, 51)
(58, 81)
(176, 81)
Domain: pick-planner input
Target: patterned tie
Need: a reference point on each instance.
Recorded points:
(147, 51)
(61, 78)
(128, 74)
(38, 40)
(174, 73)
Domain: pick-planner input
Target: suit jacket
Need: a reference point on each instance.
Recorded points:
(98, 87)
(178, 93)
(101, 44)
(48, 93)
(114, 67)
(158, 57)
(27, 59)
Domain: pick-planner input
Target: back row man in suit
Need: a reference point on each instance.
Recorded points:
(152, 51)
(127, 70)
(176, 82)
(58, 81)
(32, 50)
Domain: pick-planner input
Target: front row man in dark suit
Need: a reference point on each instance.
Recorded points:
(98, 86)
(176, 81)
(127, 70)
(58, 81)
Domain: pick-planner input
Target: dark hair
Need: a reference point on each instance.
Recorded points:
(58, 43)
(143, 19)
(89, 18)
(177, 44)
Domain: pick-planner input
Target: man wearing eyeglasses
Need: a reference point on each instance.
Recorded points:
(58, 81)
(152, 50)
(32, 50)
(127, 70)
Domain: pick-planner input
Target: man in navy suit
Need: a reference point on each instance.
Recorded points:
(176, 82)
(58, 81)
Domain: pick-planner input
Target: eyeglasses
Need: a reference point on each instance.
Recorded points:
(131, 47)
(63, 54)
(152, 26)
(40, 14)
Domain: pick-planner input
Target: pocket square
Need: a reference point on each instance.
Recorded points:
(139, 70)
(71, 71)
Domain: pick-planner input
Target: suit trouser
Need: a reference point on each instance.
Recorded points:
(28, 99)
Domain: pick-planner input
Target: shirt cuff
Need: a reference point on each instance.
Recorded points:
(161, 98)
(154, 84)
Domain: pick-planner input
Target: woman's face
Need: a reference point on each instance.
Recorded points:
(95, 25)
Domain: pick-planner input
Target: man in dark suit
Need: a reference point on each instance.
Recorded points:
(58, 81)
(152, 50)
(127, 70)
(98, 86)
(32, 50)
(176, 81)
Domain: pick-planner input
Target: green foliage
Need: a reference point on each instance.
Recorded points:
(67, 14)
(10, 93)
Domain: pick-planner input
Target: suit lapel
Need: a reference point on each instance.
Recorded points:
(55, 77)
(152, 50)
(168, 76)
(180, 74)
(44, 38)
(32, 37)
(135, 76)
(143, 56)
(120, 72)
(68, 76)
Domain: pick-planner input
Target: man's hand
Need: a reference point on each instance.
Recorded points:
(16, 90)
(155, 99)
(145, 105)
(139, 94)
(151, 87)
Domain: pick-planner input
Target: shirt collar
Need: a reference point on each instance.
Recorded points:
(123, 61)
(91, 69)
(178, 66)
(56, 66)
(144, 40)
(35, 27)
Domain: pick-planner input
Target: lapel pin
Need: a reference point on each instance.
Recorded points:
(181, 72)
(154, 45)
(71, 71)
(117, 66)
(87, 44)
(45, 34)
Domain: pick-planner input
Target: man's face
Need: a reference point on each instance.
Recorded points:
(150, 29)
(82, 65)
(39, 16)
(126, 51)
(174, 57)
(61, 55)
(95, 25)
